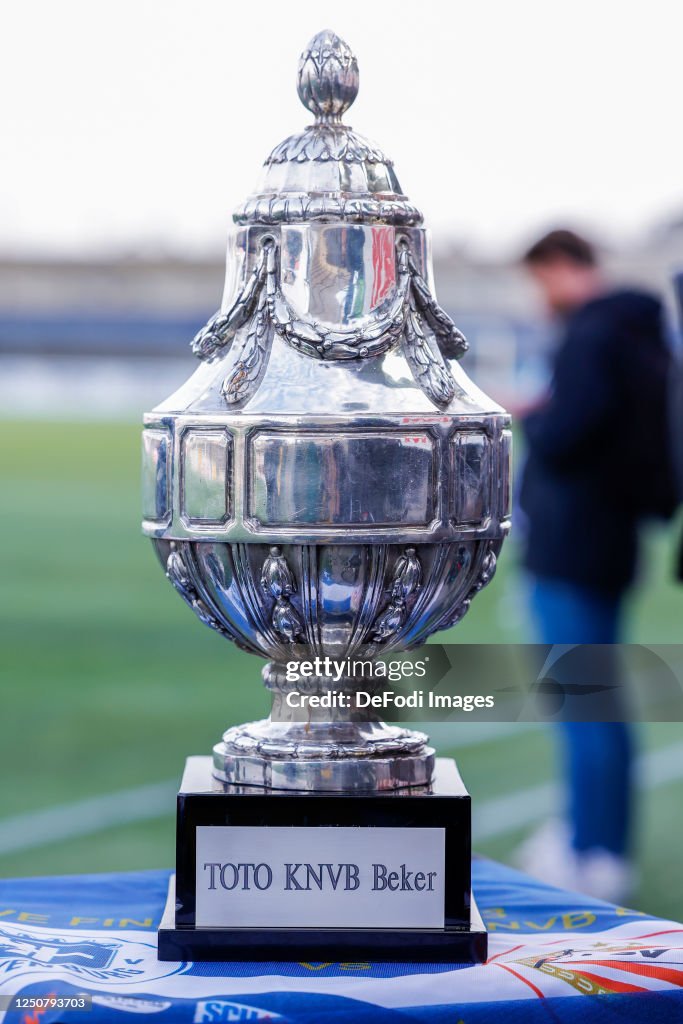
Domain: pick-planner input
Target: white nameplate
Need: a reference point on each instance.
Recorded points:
(255, 876)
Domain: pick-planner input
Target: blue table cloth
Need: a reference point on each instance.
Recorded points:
(553, 957)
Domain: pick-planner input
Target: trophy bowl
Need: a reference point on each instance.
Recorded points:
(328, 482)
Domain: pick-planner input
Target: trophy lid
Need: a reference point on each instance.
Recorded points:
(328, 171)
(329, 306)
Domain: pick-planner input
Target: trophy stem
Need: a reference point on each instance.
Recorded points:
(329, 749)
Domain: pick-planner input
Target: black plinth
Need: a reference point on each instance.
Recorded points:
(204, 802)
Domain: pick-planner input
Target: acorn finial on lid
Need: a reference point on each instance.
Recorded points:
(327, 80)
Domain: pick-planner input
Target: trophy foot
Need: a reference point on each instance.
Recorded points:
(332, 750)
(264, 754)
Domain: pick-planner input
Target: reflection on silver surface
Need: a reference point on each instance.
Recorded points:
(337, 273)
(342, 479)
(205, 476)
(156, 481)
(332, 482)
(472, 476)
(505, 473)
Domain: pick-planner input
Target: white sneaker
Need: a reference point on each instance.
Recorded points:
(605, 875)
(549, 856)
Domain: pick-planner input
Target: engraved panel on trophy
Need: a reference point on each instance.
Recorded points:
(506, 472)
(472, 478)
(156, 477)
(205, 457)
(344, 479)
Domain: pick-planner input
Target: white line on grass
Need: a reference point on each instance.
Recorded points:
(42, 828)
(492, 818)
(503, 814)
(145, 803)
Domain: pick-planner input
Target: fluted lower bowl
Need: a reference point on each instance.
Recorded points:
(337, 600)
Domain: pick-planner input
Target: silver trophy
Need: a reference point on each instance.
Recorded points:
(328, 482)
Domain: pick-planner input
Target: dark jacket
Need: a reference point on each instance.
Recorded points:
(598, 451)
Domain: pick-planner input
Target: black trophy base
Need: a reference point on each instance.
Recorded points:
(311, 945)
(204, 803)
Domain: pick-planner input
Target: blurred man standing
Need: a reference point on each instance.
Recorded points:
(598, 464)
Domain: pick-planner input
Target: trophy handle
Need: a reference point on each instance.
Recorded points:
(220, 330)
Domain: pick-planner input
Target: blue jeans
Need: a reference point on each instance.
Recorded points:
(598, 755)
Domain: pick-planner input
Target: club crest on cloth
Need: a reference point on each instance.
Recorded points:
(109, 959)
